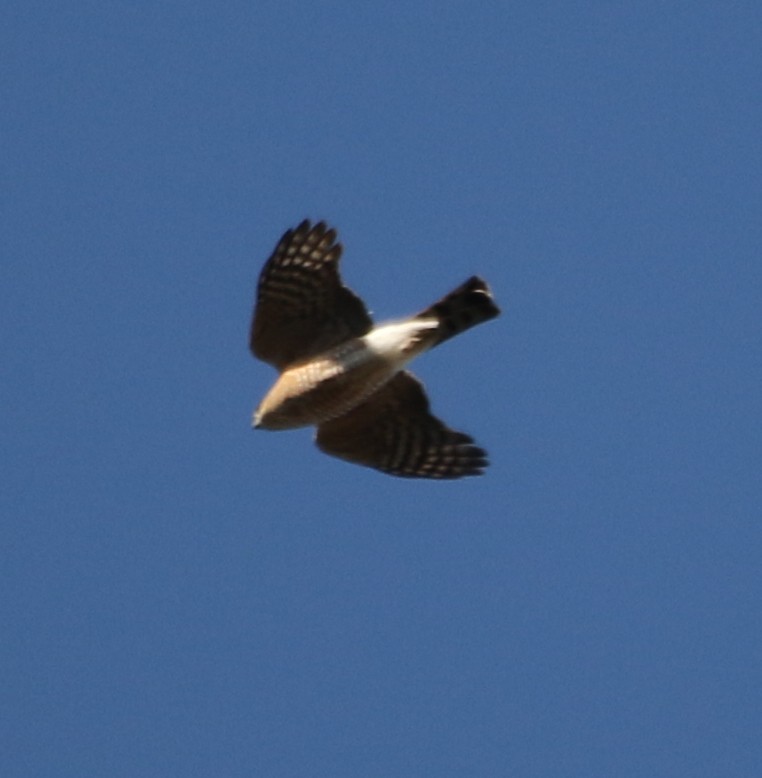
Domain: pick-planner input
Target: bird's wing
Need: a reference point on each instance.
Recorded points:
(393, 431)
(302, 307)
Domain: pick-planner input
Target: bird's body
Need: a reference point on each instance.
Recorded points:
(334, 382)
(346, 376)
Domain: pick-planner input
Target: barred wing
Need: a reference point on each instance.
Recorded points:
(394, 432)
(302, 306)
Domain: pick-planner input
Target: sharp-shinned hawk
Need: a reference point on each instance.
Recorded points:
(346, 376)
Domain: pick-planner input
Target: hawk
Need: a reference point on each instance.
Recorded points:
(345, 375)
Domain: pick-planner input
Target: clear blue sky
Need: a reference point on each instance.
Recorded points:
(182, 595)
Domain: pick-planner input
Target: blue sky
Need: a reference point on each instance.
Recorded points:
(182, 595)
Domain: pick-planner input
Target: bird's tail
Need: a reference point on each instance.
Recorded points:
(465, 307)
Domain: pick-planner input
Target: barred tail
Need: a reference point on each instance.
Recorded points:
(465, 307)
